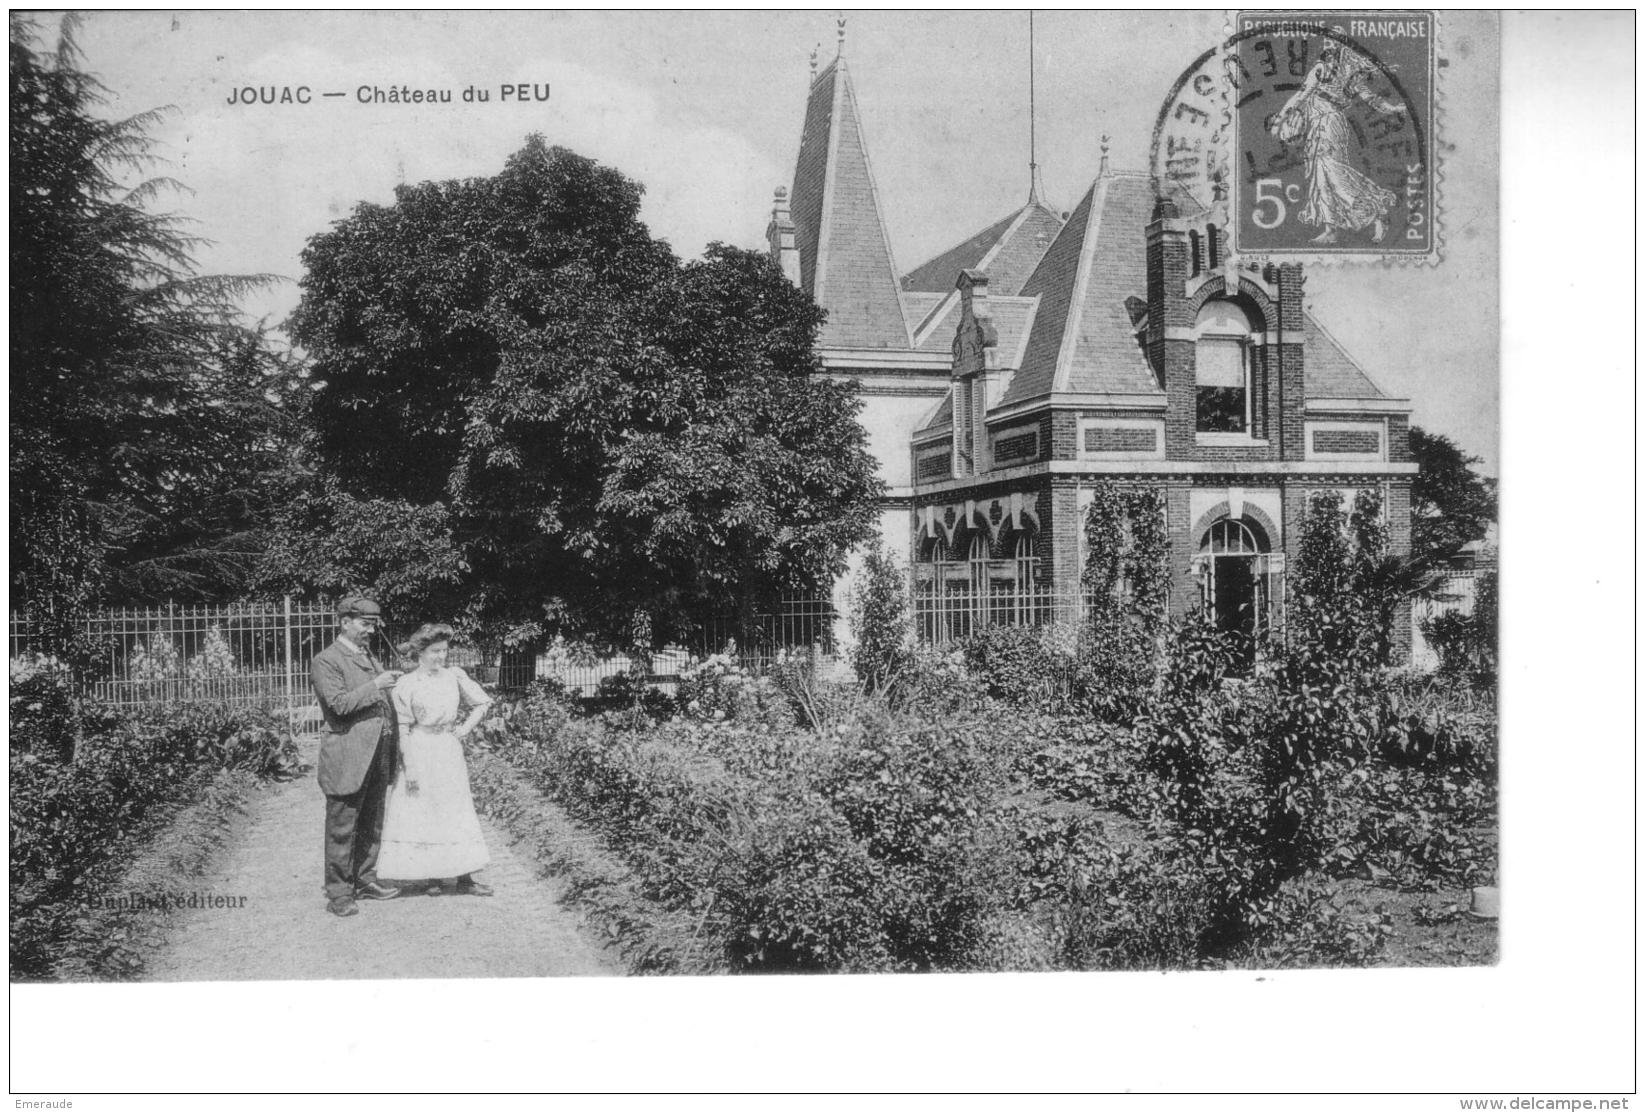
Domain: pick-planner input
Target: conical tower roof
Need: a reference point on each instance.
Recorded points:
(845, 253)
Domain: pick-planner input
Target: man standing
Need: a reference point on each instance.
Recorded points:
(356, 755)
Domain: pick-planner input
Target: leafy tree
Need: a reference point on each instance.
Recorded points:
(1451, 503)
(624, 444)
(327, 541)
(142, 414)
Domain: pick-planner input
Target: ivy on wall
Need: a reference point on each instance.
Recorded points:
(1128, 564)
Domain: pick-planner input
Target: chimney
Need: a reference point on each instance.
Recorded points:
(1170, 335)
(975, 378)
(779, 234)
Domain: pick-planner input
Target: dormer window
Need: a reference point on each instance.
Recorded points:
(1222, 369)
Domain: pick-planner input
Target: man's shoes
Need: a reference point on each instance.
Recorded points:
(376, 891)
(342, 906)
(475, 889)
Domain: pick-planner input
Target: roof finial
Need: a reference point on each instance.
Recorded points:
(814, 52)
(840, 24)
(1102, 167)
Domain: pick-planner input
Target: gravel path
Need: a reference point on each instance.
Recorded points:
(283, 931)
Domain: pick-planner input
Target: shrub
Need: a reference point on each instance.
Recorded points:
(1183, 726)
(215, 659)
(1107, 906)
(935, 682)
(720, 688)
(805, 896)
(920, 798)
(40, 703)
(154, 661)
(629, 703)
(1116, 670)
(1302, 924)
(879, 621)
(1013, 665)
(1467, 643)
(1078, 760)
(69, 817)
(815, 699)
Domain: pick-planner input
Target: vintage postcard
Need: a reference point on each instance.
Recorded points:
(575, 495)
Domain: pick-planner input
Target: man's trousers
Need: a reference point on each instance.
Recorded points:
(354, 826)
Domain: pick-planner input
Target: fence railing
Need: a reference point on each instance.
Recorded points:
(254, 652)
(246, 652)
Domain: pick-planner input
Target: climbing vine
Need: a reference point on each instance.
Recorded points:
(1127, 547)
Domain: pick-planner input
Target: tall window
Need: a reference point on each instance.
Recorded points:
(1222, 369)
(956, 596)
(1027, 569)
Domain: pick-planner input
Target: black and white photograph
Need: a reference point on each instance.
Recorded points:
(503, 502)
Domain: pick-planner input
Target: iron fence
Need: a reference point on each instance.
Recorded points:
(254, 652)
(248, 652)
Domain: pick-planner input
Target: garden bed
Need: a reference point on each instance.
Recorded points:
(91, 789)
(971, 835)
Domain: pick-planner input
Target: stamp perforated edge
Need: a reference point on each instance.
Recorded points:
(1436, 168)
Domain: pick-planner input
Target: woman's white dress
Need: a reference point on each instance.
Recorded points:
(431, 831)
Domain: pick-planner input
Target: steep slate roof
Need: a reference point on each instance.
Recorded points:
(1083, 340)
(845, 255)
(941, 417)
(1328, 370)
(918, 305)
(1006, 249)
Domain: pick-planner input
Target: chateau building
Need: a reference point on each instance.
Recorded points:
(1048, 353)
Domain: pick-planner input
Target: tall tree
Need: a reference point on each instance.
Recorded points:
(624, 444)
(141, 411)
(1451, 503)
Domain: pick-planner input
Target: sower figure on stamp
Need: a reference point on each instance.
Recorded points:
(356, 755)
(1339, 196)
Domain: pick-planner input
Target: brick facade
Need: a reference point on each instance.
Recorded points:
(1346, 440)
(1100, 439)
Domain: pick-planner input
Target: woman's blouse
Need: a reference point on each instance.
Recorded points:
(434, 701)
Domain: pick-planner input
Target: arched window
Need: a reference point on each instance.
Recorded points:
(979, 566)
(1028, 565)
(1232, 537)
(1222, 368)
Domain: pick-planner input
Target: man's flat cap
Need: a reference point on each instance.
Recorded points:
(358, 606)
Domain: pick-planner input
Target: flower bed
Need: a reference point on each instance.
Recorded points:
(877, 846)
(969, 835)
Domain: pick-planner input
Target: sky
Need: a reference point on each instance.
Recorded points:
(705, 109)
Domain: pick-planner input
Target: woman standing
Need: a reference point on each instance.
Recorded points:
(430, 830)
(1339, 196)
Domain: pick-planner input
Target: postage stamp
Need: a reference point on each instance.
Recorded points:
(1333, 124)
(1315, 131)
